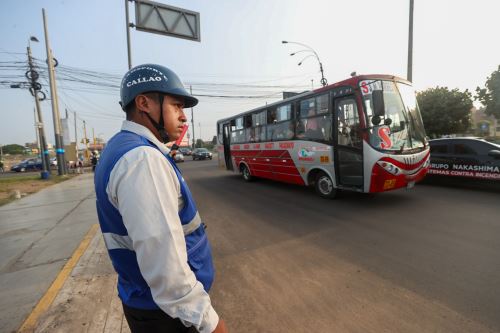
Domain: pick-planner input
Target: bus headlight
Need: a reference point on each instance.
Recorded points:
(389, 167)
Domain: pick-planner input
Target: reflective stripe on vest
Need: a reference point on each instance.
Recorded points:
(115, 241)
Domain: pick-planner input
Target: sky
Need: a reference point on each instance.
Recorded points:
(240, 53)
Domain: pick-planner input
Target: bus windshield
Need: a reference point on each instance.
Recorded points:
(400, 129)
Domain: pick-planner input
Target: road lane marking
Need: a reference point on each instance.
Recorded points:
(51, 293)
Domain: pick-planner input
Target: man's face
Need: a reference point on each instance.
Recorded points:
(173, 115)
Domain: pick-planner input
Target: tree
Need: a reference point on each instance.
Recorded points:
(199, 143)
(13, 149)
(490, 95)
(445, 111)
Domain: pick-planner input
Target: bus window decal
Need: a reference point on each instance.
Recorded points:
(385, 141)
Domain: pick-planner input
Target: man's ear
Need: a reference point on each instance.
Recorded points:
(142, 103)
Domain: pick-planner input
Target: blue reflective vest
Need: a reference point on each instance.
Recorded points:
(132, 288)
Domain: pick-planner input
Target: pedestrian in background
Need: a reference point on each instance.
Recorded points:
(94, 159)
(151, 227)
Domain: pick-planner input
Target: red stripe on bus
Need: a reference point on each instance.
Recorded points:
(271, 164)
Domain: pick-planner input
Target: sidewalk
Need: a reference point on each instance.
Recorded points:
(88, 301)
(38, 237)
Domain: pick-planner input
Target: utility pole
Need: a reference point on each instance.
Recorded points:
(37, 134)
(93, 136)
(55, 107)
(199, 124)
(192, 116)
(76, 140)
(41, 132)
(409, 76)
(128, 35)
(87, 155)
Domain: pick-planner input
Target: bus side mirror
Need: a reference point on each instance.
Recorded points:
(378, 103)
(376, 120)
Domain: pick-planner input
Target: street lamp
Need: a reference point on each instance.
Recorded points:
(33, 39)
(323, 80)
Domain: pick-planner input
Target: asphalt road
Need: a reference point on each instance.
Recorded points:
(423, 260)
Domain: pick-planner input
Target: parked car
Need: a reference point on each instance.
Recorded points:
(185, 151)
(28, 165)
(465, 157)
(178, 157)
(53, 161)
(201, 154)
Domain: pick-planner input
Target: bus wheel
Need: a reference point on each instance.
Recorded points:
(324, 186)
(246, 173)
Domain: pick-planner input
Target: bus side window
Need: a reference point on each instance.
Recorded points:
(257, 132)
(314, 122)
(307, 108)
(271, 116)
(348, 124)
(322, 104)
(247, 121)
(262, 135)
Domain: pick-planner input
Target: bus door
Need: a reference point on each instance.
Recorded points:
(226, 141)
(348, 143)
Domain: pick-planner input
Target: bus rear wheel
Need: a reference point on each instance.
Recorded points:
(246, 173)
(324, 186)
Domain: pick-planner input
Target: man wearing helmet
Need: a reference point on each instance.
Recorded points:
(151, 227)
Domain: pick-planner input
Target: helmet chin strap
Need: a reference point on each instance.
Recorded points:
(160, 126)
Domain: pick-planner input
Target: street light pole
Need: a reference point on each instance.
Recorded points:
(323, 80)
(129, 53)
(410, 45)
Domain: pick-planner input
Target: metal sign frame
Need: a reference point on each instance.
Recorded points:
(151, 9)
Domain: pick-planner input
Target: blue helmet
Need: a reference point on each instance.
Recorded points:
(152, 78)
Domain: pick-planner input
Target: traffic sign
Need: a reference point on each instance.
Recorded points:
(167, 20)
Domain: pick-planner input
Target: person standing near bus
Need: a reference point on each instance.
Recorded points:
(150, 224)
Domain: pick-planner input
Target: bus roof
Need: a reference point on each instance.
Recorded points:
(352, 82)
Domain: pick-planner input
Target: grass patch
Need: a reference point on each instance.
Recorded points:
(18, 179)
(4, 201)
(26, 185)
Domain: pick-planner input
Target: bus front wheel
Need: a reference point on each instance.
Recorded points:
(324, 186)
(246, 173)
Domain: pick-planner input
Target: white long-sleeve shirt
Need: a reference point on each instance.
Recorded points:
(143, 186)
